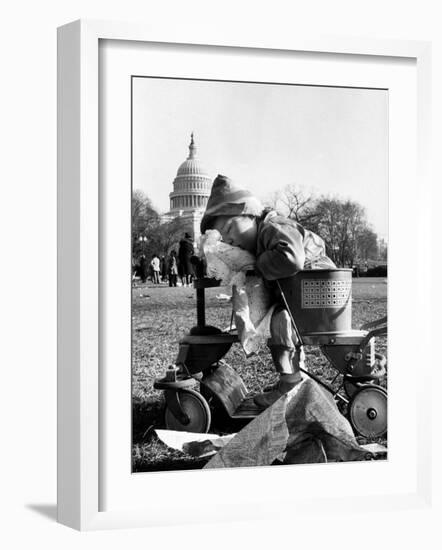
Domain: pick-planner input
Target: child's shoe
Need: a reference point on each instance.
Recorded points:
(286, 383)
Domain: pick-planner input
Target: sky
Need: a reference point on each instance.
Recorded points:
(326, 140)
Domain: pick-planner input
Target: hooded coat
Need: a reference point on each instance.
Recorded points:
(185, 252)
(284, 247)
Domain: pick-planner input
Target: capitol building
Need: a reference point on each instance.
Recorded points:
(191, 190)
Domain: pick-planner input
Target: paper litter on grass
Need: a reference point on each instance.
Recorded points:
(304, 426)
(251, 301)
(194, 444)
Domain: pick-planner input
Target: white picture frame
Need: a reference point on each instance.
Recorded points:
(81, 294)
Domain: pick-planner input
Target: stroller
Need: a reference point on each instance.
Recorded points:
(320, 300)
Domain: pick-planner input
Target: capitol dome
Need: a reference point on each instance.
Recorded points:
(191, 186)
(191, 167)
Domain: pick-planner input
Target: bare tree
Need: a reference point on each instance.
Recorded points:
(341, 223)
(327, 224)
(293, 202)
(169, 235)
(149, 234)
(144, 221)
(343, 226)
(367, 245)
(383, 249)
(144, 214)
(353, 225)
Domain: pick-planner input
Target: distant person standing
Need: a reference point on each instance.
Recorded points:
(143, 268)
(185, 252)
(155, 265)
(172, 269)
(163, 268)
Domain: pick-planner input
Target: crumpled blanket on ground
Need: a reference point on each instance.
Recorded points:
(303, 426)
(251, 301)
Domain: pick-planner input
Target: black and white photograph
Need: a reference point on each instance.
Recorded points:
(259, 274)
(221, 309)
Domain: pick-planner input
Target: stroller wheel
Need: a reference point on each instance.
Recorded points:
(195, 408)
(367, 411)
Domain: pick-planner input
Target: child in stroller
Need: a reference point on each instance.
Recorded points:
(282, 248)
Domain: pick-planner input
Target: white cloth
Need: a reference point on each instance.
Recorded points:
(251, 300)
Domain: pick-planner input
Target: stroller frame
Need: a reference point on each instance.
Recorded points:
(200, 362)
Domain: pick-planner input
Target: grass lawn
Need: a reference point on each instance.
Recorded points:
(161, 316)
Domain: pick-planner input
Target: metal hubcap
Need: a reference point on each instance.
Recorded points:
(368, 411)
(195, 415)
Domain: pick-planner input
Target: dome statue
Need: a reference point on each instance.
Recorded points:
(191, 190)
(191, 186)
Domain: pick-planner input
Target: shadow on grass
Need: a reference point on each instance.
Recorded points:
(150, 454)
(146, 416)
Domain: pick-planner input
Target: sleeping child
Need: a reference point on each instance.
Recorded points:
(282, 247)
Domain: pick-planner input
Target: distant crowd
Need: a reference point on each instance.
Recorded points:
(174, 268)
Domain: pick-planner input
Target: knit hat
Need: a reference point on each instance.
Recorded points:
(226, 199)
